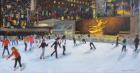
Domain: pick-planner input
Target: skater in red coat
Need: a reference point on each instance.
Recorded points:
(17, 56)
(5, 43)
(31, 40)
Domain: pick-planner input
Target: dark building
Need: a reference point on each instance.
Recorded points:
(66, 9)
(1, 16)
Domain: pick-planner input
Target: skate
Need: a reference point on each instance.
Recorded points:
(15, 68)
(23, 67)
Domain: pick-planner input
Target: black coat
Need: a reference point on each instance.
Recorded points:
(56, 44)
(136, 41)
(43, 45)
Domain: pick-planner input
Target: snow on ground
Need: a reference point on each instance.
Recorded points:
(79, 59)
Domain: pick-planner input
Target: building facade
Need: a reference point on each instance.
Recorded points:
(135, 19)
(66, 9)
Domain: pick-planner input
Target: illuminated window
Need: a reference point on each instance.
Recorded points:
(109, 0)
(54, 2)
(62, 17)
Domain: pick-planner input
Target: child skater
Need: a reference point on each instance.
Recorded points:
(17, 56)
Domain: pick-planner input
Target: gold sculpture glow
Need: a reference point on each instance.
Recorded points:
(98, 28)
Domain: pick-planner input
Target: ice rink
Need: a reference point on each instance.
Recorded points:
(79, 59)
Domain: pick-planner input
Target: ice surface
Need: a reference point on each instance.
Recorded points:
(79, 59)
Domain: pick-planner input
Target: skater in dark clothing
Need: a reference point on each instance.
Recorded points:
(117, 41)
(136, 42)
(74, 41)
(64, 46)
(55, 44)
(88, 35)
(43, 45)
(91, 44)
(124, 45)
(63, 37)
(17, 57)
(25, 42)
(49, 37)
(5, 43)
(84, 40)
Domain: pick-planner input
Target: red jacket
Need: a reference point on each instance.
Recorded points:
(5, 42)
(15, 53)
(31, 39)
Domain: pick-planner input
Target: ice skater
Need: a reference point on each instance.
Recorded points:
(55, 44)
(17, 58)
(84, 39)
(16, 40)
(80, 38)
(74, 41)
(31, 40)
(43, 45)
(136, 42)
(5, 44)
(124, 42)
(63, 37)
(49, 37)
(25, 39)
(13, 40)
(117, 41)
(64, 44)
(91, 44)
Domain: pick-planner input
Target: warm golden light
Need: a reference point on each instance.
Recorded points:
(23, 24)
(98, 28)
(123, 12)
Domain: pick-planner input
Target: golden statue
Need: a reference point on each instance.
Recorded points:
(98, 28)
